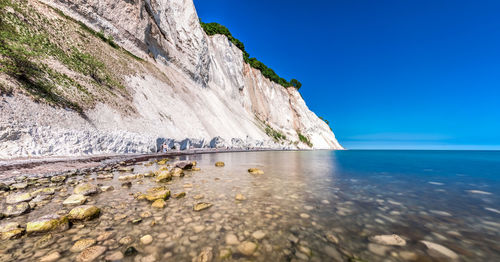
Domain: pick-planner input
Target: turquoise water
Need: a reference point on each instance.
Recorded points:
(307, 206)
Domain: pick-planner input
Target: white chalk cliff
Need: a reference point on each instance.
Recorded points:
(205, 96)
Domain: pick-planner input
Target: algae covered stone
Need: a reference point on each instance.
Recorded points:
(163, 176)
(201, 206)
(255, 171)
(11, 230)
(156, 193)
(219, 164)
(180, 195)
(85, 212)
(47, 223)
(159, 203)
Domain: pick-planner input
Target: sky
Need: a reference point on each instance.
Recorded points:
(387, 74)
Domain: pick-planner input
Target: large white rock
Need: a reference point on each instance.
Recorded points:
(206, 97)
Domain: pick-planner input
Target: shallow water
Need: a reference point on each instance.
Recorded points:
(304, 203)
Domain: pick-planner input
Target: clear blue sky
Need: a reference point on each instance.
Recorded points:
(387, 74)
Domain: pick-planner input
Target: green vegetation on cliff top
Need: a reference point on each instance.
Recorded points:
(218, 29)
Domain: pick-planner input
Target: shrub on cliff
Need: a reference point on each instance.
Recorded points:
(215, 28)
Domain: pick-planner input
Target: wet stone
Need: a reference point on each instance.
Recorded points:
(10, 230)
(47, 223)
(232, 239)
(259, 234)
(58, 179)
(105, 236)
(219, 164)
(438, 250)
(45, 241)
(205, 255)
(85, 212)
(240, 197)
(180, 195)
(201, 206)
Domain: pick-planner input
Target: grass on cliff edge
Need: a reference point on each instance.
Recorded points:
(28, 40)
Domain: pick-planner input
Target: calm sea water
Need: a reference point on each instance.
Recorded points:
(317, 206)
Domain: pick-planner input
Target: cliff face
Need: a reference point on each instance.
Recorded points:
(190, 89)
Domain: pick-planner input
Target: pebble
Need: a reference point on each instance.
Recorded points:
(115, 256)
(247, 248)
(82, 244)
(389, 240)
(304, 215)
(232, 239)
(54, 256)
(240, 197)
(146, 240)
(259, 234)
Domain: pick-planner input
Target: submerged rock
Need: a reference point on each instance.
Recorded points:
(247, 248)
(219, 164)
(201, 206)
(85, 212)
(91, 253)
(180, 195)
(82, 244)
(259, 234)
(240, 197)
(85, 189)
(439, 250)
(130, 251)
(76, 199)
(47, 223)
(205, 255)
(389, 240)
(53, 256)
(18, 198)
(255, 171)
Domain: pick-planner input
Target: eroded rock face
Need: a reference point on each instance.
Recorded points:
(220, 101)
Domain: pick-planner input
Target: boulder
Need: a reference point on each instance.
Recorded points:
(85, 212)
(47, 223)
